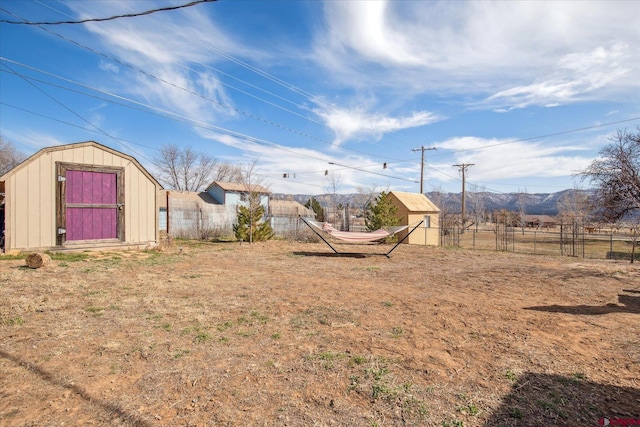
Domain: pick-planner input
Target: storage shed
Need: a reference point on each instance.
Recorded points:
(80, 196)
(413, 208)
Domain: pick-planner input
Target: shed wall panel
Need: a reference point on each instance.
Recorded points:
(34, 205)
(47, 199)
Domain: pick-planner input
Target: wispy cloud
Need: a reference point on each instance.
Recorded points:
(496, 159)
(359, 124)
(483, 48)
(168, 54)
(576, 77)
(36, 140)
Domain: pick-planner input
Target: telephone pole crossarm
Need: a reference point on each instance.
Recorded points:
(422, 148)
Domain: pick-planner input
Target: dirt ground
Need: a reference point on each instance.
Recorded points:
(286, 334)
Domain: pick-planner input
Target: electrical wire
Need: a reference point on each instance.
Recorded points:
(191, 92)
(74, 125)
(75, 113)
(256, 70)
(110, 18)
(221, 130)
(308, 95)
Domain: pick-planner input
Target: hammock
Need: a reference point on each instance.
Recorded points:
(357, 236)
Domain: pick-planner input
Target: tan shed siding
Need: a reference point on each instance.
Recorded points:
(22, 207)
(47, 217)
(128, 206)
(152, 226)
(132, 190)
(34, 203)
(417, 237)
(152, 207)
(140, 205)
(10, 201)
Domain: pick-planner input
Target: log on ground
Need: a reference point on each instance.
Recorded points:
(37, 260)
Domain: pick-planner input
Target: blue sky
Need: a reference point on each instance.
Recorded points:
(330, 91)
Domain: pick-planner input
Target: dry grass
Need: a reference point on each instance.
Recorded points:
(283, 333)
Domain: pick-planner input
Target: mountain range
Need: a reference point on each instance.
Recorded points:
(534, 203)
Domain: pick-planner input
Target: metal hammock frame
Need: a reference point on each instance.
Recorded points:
(356, 236)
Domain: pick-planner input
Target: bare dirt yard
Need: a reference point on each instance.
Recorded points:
(286, 334)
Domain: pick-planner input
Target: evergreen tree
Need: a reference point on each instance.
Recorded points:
(249, 227)
(382, 213)
(316, 207)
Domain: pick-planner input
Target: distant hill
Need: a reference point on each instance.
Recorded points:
(535, 203)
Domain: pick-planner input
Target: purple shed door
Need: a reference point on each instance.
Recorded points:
(91, 205)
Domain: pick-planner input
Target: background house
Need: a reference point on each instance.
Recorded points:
(79, 196)
(413, 208)
(539, 221)
(231, 193)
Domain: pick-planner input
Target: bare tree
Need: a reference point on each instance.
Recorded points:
(227, 172)
(184, 169)
(574, 204)
(448, 218)
(522, 207)
(476, 197)
(365, 197)
(333, 187)
(616, 176)
(10, 157)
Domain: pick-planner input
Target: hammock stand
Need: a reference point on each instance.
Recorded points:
(355, 236)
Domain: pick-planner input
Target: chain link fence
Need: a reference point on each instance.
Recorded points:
(572, 239)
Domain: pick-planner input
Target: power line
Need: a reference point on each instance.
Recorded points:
(75, 125)
(542, 136)
(110, 18)
(254, 69)
(299, 91)
(74, 112)
(192, 122)
(194, 93)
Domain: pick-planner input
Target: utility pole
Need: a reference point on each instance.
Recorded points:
(422, 148)
(463, 167)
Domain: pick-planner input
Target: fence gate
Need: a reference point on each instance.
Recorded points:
(449, 237)
(572, 238)
(505, 238)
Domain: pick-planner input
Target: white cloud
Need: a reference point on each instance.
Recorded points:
(495, 159)
(357, 123)
(485, 47)
(168, 53)
(309, 171)
(109, 66)
(36, 140)
(576, 76)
